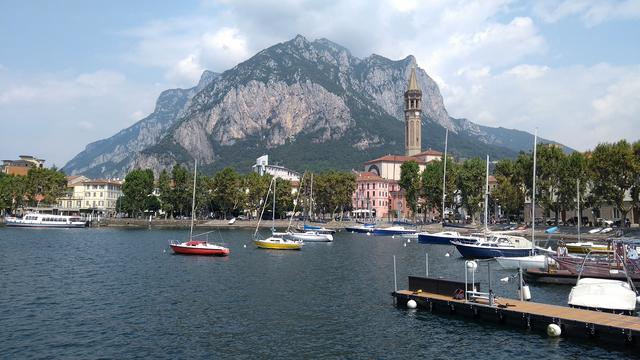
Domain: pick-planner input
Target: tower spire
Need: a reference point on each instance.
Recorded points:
(413, 116)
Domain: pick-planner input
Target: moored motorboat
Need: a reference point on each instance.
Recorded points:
(605, 295)
(392, 230)
(361, 229)
(45, 220)
(199, 247)
(309, 236)
(495, 246)
(445, 238)
(319, 229)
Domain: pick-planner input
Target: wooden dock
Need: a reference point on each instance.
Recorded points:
(435, 297)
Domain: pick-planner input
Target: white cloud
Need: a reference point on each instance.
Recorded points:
(579, 106)
(591, 12)
(52, 89)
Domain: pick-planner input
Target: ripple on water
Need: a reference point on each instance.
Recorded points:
(88, 293)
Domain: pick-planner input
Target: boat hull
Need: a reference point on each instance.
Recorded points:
(434, 239)
(310, 237)
(359, 229)
(58, 226)
(527, 262)
(277, 246)
(191, 250)
(471, 251)
(392, 232)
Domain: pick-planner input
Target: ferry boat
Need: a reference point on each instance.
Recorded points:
(46, 220)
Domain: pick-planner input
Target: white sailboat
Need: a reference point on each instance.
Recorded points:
(309, 235)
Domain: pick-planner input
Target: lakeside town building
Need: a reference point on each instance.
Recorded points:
(85, 196)
(22, 166)
(262, 167)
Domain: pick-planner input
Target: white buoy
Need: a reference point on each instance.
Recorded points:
(412, 304)
(405, 244)
(554, 330)
(526, 293)
(504, 279)
(245, 245)
(472, 265)
(408, 240)
(446, 255)
(393, 236)
(368, 234)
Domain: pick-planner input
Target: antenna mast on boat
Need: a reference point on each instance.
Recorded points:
(578, 212)
(486, 199)
(444, 174)
(273, 213)
(533, 207)
(193, 197)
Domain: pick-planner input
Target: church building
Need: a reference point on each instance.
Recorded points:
(383, 173)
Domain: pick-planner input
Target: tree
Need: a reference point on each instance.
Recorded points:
(509, 191)
(164, 187)
(410, 182)
(471, 183)
(549, 170)
(182, 190)
(333, 191)
(614, 170)
(45, 185)
(255, 188)
(432, 186)
(226, 191)
(138, 185)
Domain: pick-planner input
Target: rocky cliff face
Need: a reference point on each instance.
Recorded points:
(307, 102)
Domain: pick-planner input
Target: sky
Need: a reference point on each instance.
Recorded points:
(73, 72)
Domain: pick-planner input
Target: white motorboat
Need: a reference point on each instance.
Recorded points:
(310, 236)
(606, 295)
(46, 220)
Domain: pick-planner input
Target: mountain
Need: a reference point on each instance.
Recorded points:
(308, 104)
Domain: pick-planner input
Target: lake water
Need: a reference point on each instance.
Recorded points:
(114, 293)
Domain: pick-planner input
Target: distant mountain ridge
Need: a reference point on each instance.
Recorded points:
(309, 104)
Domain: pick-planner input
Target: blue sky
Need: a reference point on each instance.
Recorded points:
(73, 72)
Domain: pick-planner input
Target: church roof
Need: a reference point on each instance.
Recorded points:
(413, 81)
(430, 152)
(392, 158)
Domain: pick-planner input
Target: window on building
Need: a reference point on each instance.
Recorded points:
(367, 186)
(101, 191)
(79, 203)
(374, 185)
(374, 203)
(374, 194)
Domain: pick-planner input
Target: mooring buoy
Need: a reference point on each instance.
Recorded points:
(554, 330)
(412, 304)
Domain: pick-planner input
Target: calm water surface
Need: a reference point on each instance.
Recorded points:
(108, 293)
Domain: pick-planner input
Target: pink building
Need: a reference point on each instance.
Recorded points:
(378, 197)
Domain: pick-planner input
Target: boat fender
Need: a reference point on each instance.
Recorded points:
(553, 330)
(526, 292)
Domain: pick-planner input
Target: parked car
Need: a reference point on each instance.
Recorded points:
(603, 222)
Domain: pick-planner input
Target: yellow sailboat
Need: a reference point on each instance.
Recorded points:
(274, 242)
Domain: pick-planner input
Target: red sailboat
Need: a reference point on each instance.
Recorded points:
(197, 247)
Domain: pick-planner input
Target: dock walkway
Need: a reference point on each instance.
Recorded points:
(435, 296)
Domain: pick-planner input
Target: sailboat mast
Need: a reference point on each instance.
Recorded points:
(578, 201)
(444, 173)
(273, 212)
(533, 202)
(193, 197)
(486, 199)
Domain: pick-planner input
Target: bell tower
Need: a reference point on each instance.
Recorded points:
(412, 116)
